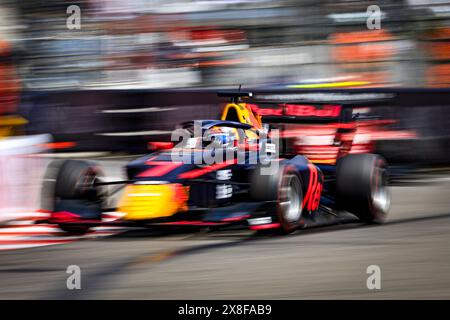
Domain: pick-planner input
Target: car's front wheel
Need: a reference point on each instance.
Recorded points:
(72, 194)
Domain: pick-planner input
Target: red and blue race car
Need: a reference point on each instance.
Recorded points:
(236, 170)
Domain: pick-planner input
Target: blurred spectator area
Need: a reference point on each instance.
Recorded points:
(199, 43)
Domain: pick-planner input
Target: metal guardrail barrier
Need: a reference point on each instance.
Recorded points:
(125, 120)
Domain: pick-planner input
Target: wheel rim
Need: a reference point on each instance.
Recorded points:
(291, 203)
(87, 185)
(380, 194)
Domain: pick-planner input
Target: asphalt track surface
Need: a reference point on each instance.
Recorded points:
(412, 250)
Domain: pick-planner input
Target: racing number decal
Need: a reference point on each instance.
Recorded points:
(312, 198)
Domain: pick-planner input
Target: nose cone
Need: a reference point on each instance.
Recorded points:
(142, 202)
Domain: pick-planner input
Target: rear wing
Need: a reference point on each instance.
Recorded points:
(320, 107)
(275, 112)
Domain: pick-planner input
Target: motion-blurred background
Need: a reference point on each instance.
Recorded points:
(207, 43)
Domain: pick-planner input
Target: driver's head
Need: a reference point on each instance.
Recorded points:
(222, 136)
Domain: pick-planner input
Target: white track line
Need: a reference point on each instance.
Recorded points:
(24, 233)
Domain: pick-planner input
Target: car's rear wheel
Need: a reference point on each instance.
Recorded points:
(362, 187)
(284, 188)
(290, 202)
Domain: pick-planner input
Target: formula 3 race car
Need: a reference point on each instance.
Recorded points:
(221, 173)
